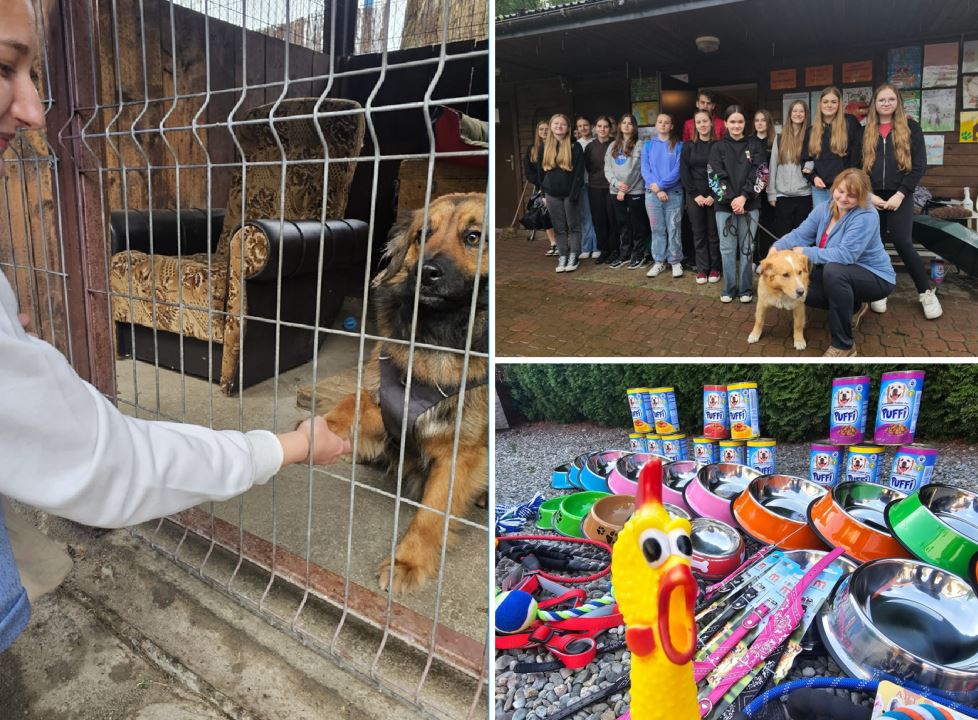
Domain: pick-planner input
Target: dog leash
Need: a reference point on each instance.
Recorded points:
(515, 547)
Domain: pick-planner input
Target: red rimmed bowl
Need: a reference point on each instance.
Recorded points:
(773, 510)
(718, 549)
(715, 487)
(623, 479)
(852, 516)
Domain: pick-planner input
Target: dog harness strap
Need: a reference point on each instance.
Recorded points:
(423, 398)
(570, 641)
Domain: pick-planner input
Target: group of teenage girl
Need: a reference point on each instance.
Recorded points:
(742, 187)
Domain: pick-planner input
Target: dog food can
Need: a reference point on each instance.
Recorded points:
(937, 270)
(896, 415)
(665, 417)
(705, 451)
(850, 404)
(653, 443)
(760, 455)
(732, 451)
(638, 405)
(636, 443)
(744, 411)
(863, 463)
(716, 422)
(674, 446)
(913, 467)
(825, 463)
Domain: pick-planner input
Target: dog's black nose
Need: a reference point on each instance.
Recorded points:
(799, 293)
(431, 272)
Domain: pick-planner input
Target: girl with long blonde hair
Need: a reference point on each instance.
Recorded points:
(788, 191)
(833, 143)
(531, 171)
(562, 179)
(894, 155)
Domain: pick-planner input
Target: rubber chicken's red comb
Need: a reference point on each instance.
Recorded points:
(649, 483)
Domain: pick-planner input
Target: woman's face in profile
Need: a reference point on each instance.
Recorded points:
(20, 106)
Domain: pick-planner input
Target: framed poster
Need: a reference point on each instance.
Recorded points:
(969, 56)
(969, 127)
(937, 110)
(903, 67)
(969, 92)
(646, 132)
(940, 65)
(857, 72)
(911, 103)
(786, 100)
(645, 112)
(935, 149)
(818, 76)
(784, 79)
(645, 88)
(855, 101)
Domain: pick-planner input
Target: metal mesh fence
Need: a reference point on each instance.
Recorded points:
(200, 230)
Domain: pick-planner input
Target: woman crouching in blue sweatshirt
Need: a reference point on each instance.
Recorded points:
(851, 268)
(664, 196)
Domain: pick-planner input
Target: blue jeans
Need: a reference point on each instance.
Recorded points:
(666, 220)
(820, 195)
(589, 239)
(737, 243)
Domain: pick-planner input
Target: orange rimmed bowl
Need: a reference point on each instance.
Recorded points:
(852, 517)
(772, 509)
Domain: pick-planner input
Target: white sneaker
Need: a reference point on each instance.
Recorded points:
(879, 306)
(656, 269)
(561, 264)
(584, 255)
(726, 299)
(932, 306)
(677, 270)
(595, 255)
(571, 263)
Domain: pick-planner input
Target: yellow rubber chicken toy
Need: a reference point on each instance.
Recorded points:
(656, 592)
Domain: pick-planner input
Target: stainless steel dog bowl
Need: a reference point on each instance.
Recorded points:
(866, 502)
(726, 480)
(907, 619)
(602, 463)
(629, 465)
(718, 549)
(785, 495)
(676, 511)
(678, 473)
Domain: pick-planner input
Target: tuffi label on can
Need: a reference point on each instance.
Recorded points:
(665, 417)
(863, 463)
(899, 405)
(732, 451)
(716, 421)
(705, 451)
(743, 409)
(850, 404)
(825, 463)
(636, 442)
(653, 444)
(637, 406)
(674, 446)
(913, 467)
(937, 270)
(760, 455)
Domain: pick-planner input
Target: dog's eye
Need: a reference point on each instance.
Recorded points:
(785, 274)
(425, 234)
(472, 237)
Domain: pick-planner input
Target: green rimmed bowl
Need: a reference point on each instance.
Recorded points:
(573, 509)
(545, 513)
(939, 525)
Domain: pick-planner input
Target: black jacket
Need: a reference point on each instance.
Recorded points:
(530, 171)
(886, 176)
(564, 183)
(828, 164)
(594, 162)
(692, 167)
(738, 167)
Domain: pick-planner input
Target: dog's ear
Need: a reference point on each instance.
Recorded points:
(766, 267)
(395, 252)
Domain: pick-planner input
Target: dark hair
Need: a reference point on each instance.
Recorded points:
(582, 117)
(696, 133)
(733, 110)
(769, 119)
(607, 118)
(623, 145)
(708, 94)
(673, 137)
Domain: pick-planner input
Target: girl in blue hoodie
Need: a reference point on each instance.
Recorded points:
(850, 267)
(664, 196)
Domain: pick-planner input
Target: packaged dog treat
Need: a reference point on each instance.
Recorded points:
(674, 446)
(850, 404)
(744, 410)
(825, 463)
(653, 443)
(716, 422)
(641, 413)
(705, 451)
(913, 467)
(662, 404)
(863, 463)
(732, 451)
(899, 405)
(636, 443)
(760, 455)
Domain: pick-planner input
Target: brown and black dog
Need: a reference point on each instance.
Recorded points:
(452, 261)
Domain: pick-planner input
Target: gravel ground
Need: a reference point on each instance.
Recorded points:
(524, 459)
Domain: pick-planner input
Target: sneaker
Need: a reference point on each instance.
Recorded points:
(714, 277)
(561, 264)
(584, 255)
(616, 263)
(726, 299)
(677, 270)
(552, 251)
(634, 264)
(857, 316)
(571, 263)
(646, 261)
(835, 352)
(701, 278)
(596, 255)
(655, 269)
(599, 260)
(878, 306)
(746, 298)
(932, 306)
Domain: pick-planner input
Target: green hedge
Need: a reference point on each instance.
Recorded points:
(794, 398)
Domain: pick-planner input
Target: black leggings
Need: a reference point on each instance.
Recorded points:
(899, 223)
(603, 218)
(841, 289)
(790, 212)
(706, 242)
(633, 225)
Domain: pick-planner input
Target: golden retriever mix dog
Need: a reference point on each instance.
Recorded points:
(783, 283)
(451, 263)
